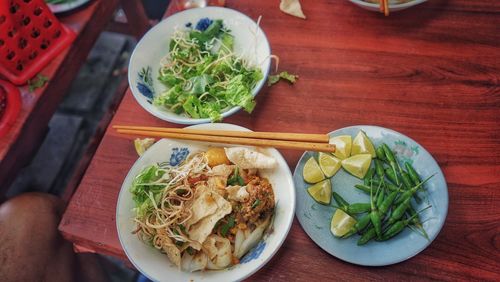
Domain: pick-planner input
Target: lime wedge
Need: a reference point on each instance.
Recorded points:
(312, 172)
(362, 145)
(321, 192)
(357, 165)
(328, 164)
(342, 146)
(341, 223)
(141, 145)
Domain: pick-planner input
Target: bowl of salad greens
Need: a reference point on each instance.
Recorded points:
(200, 65)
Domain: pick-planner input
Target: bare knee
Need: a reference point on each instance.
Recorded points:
(28, 232)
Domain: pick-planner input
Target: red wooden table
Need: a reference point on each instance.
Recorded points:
(24, 137)
(431, 72)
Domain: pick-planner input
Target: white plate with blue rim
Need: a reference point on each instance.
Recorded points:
(315, 218)
(155, 265)
(250, 43)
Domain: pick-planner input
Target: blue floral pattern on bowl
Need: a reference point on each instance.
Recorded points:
(145, 84)
(178, 155)
(254, 253)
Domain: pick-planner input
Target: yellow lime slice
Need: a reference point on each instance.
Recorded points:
(141, 145)
(342, 146)
(321, 192)
(357, 165)
(341, 223)
(312, 172)
(328, 164)
(362, 145)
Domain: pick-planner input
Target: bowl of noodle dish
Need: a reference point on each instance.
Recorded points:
(195, 211)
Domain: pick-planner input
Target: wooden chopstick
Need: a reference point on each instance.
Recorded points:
(316, 138)
(386, 7)
(281, 144)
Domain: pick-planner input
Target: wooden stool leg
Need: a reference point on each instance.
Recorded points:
(137, 20)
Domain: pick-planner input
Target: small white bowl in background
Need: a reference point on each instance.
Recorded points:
(250, 42)
(392, 7)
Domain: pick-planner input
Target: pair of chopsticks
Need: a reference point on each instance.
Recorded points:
(384, 7)
(298, 141)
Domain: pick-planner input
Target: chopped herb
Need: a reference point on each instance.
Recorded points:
(225, 228)
(255, 204)
(37, 82)
(190, 251)
(182, 228)
(236, 178)
(291, 78)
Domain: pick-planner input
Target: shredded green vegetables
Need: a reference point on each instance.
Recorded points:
(204, 76)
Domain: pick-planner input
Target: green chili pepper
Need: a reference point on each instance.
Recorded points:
(375, 215)
(380, 153)
(416, 220)
(369, 176)
(370, 234)
(398, 226)
(379, 168)
(340, 201)
(358, 208)
(392, 161)
(409, 193)
(355, 208)
(363, 188)
(380, 197)
(361, 224)
(413, 174)
(387, 184)
(406, 180)
(399, 211)
(386, 204)
(391, 175)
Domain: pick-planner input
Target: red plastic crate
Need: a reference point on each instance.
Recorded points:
(10, 106)
(30, 37)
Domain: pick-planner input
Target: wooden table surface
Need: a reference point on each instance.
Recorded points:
(431, 72)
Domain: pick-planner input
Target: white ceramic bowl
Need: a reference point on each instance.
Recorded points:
(392, 7)
(155, 265)
(250, 42)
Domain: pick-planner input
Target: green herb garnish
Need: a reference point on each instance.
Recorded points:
(236, 178)
(225, 228)
(291, 78)
(255, 204)
(37, 82)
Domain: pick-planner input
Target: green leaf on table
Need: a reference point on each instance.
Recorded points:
(273, 79)
(37, 82)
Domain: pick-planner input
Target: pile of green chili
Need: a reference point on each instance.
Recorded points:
(392, 189)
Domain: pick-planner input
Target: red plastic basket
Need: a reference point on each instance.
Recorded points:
(30, 37)
(10, 106)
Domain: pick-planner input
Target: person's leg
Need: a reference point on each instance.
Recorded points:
(31, 248)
